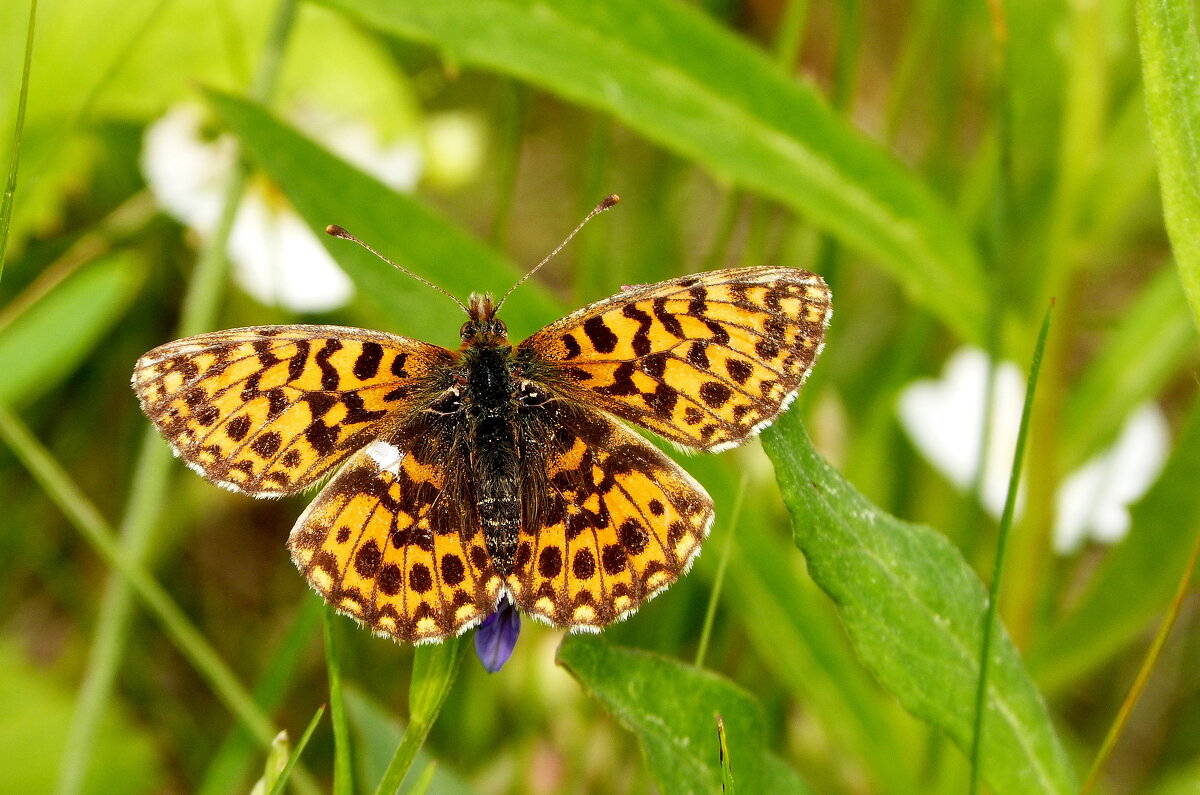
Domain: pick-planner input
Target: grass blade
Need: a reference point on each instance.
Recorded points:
(294, 757)
(10, 186)
(1006, 519)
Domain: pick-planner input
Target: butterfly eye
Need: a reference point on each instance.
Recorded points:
(499, 328)
(467, 331)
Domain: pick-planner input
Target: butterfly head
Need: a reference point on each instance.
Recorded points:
(484, 328)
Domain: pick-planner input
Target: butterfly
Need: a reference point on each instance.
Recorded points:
(461, 477)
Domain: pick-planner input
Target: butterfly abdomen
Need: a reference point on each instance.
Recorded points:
(491, 415)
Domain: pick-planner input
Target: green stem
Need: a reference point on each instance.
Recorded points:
(434, 669)
(1006, 519)
(1139, 682)
(343, 773)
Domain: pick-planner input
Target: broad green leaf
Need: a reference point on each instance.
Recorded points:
(64, 325)
(673, 709)
(678, 78)
(1137, 579)
(1148, 345)
(914, 610)
(798, 637)
(1170, 48)
(326, 190)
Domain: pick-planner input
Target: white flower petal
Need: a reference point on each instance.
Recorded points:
(944, 419)
(279, 261)
(1094, 500)
(186, 173)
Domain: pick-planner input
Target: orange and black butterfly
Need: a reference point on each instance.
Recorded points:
(459, 477)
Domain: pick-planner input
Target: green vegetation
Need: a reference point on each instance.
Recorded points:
(949, 168)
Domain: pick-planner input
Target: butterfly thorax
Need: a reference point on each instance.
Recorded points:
(490, 404)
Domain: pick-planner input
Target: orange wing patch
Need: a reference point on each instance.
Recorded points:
(609, 523)
(390, 543)
(705, 361)
(269, 410)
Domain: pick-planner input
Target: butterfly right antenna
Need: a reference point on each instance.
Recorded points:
(609, 201)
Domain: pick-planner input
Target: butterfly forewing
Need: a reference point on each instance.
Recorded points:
(270, 410)
(705, 361)
(609, 521)
(393, 541)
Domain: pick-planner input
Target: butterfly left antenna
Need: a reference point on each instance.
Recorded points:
(610, 200)
(336, 231)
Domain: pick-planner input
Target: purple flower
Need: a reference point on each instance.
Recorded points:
(497, 636)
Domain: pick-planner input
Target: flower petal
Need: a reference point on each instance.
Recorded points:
(497, 636)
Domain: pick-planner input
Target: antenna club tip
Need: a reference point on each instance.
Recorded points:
(333, 230)
(609, 201)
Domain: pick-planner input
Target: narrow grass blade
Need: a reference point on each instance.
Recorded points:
(1139, 683)
(294, 757)
(96, 531)
(10, 186)
(727, 786)
(990, 621)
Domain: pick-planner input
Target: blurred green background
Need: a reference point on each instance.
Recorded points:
(949, 168)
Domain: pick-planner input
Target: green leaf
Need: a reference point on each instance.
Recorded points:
(1169, 40)
(801, 643)
(914, 610)
(675, 76)
(1137, 579)
(64, 326)
(673, 710)
(326, 190)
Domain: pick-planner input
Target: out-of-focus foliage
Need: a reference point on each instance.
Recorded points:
(945, 186)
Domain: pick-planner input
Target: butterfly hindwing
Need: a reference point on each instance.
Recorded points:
(609, 521)
(393, 542)
(269, 410)
(705, 361)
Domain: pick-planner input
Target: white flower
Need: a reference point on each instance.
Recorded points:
(276, 257)
(1095, 498)
(944, 419)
